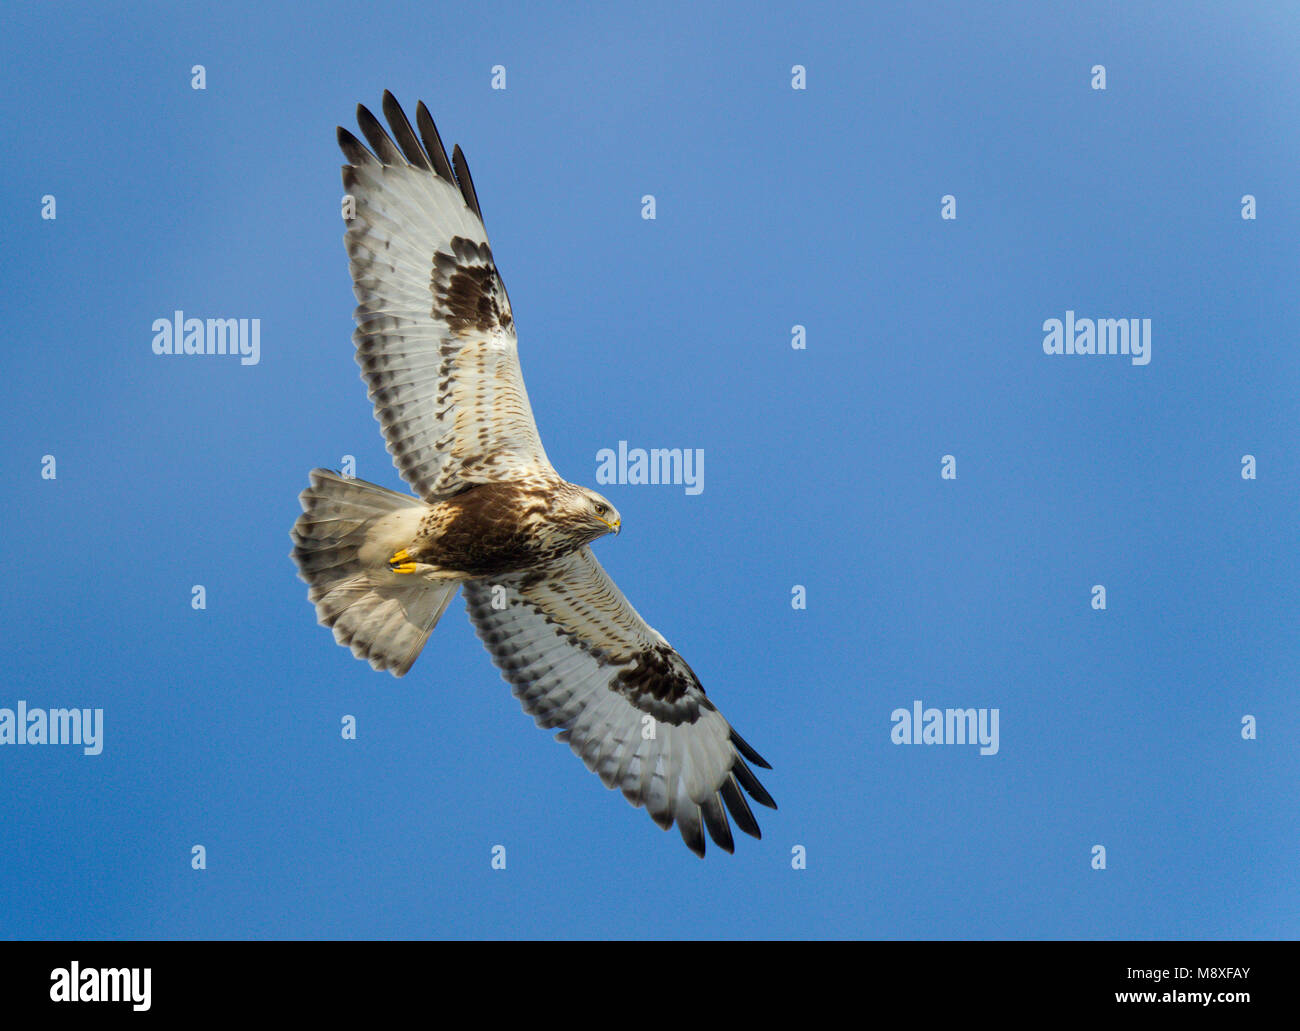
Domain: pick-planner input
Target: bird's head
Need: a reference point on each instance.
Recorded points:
(592, 515)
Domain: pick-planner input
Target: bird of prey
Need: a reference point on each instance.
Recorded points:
(435, 340)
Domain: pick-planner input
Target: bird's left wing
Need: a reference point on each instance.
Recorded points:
(435, 334)
(582, 661)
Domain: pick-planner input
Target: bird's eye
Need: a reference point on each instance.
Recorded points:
(601, 510)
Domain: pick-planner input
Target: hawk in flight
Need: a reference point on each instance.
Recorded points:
(435, 340)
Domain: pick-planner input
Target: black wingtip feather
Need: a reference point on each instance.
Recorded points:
(353, 149)
(692, 833)
(747, 750)
(433, 143)
(461, 166)
(404, 134)
(380, 142)
(750, 783)
(715, 819)
(739, 808)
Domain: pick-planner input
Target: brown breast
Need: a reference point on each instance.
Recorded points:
(490, 529)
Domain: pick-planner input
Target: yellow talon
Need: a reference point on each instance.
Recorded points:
(402, 562)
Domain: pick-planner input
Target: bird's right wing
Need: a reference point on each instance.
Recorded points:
(435, 335)
(583, 662)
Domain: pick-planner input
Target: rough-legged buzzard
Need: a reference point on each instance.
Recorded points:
(435, 339)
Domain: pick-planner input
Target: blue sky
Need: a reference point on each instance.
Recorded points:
(775, 207)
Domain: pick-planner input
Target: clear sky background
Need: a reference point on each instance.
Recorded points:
(776, 207)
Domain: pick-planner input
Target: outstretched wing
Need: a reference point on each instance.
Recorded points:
(435, 336)
(582, 661)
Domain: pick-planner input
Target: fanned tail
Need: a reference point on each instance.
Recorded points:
(343, 540)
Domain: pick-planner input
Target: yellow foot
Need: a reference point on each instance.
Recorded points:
(402, 562)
